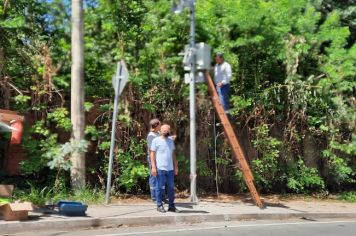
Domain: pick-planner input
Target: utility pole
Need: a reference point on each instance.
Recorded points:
(192, 106)
(190, 56)
(77, 93)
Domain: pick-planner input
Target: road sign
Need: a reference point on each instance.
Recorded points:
(119, 81)
(121, 77)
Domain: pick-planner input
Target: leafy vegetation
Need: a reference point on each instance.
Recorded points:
(48, 196)
(292, 91)
(4, 200)
(348, 196)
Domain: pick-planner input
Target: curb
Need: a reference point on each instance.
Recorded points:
(115, 222)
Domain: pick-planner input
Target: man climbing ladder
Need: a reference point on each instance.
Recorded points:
(235, 145)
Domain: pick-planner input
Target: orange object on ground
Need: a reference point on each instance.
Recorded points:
(16, 135)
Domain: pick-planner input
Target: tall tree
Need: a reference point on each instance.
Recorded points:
(77, 93)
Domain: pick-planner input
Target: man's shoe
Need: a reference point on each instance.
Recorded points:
(173, 209)
(161, 209)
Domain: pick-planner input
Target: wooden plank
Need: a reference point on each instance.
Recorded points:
(235, 145)
(8, 111)
(7, 116)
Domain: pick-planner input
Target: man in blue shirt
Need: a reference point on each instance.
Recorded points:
(164, 167)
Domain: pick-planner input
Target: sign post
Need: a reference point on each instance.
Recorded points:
(119, 81)
(192, 107)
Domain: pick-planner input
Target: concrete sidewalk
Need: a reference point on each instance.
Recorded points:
(145, 214)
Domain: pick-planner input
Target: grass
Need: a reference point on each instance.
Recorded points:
(348, 196)
(4, 200)
(89, 196)
(41, 197)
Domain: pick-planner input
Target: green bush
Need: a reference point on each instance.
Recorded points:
(341, 171)
(265, 166)
(46, 195)
(303, 179)
(348, 196)
(132, 167)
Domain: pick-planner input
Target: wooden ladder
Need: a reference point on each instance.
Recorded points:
(235, 145)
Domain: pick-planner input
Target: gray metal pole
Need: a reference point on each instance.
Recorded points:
(192, 106)
(113, 131)
(215, 156)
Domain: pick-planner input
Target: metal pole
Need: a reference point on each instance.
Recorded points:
(215, 156)
(113, 131)
(192, 106)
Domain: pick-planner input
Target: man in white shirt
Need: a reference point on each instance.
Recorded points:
(222, 77)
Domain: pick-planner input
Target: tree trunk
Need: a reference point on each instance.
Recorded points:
(77, 93)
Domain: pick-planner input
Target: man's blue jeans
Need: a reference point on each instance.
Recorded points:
(163, 177)
(223, 93)
(152, 180)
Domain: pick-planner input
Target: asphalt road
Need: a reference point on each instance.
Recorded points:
(303, 227)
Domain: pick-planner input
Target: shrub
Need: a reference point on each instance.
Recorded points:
(303, 179)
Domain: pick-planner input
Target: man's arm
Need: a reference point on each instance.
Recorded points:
(228, 73)
(153, 163)
(173, 137)
(175, 164)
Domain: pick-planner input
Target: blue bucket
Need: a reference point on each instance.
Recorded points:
(69, 208)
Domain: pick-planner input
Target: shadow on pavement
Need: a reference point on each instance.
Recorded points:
(185, 205)
(44, 212)
(189, 206)
(193, 211)
(270, 205)
(128, 213)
